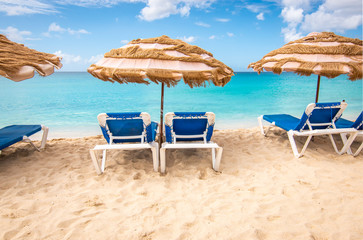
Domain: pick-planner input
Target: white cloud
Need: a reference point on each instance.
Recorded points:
(22, 7)
(95, 59)
(334, 15)
(188, 39)
(14, 34)
(184, 11)
(212, 37)
(290, 34)
(292, 15)
(54, 27)
(328, 15)
(230, 34)
(154, 9)
(223, 19)
(158, 9)
(305, 4)
(202, 24)
(255, 8)
(125, 41)
(94, 3)
(260, 17)
(68, 58)
(79, 31)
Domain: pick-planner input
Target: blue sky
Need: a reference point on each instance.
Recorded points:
(236, 32)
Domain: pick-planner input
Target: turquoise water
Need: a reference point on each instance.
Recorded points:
(68, 103)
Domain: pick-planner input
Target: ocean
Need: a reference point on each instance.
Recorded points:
(69, 102)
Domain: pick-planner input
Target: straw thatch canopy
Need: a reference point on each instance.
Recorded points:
(325, 54)
(161, 60)
(18, 62)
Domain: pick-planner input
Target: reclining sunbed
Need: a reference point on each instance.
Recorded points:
(126, 131)
(317, 119)
(190, 130)
(15, 133)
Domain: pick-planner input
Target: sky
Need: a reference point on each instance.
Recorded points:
(235, 32)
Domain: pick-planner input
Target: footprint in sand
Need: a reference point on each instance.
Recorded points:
(137, 176)
(203, 174)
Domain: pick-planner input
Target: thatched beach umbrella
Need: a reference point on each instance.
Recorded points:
(161, 60)
(324, 54)
(18, 62)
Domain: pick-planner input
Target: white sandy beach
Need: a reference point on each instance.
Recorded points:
(262, 192)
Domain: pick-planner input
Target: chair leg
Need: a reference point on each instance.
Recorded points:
(293, 144)
(155, 151)
(44, 137)
(213, 157)
(162, 160)
(217, 162)
(344, 139)
(28, 140)
(358, 150)
(346, 143)
(95, 162)
(260, 118)
(334, 144)
(103, 160)
(260, 123)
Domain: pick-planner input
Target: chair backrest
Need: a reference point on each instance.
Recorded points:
(321, 115)
(358, 124)
(189, 126)
(126, 127)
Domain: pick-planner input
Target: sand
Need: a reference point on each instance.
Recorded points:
(262, 192)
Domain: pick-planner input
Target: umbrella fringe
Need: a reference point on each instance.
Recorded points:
(14, 56)
(214, 71)
(349, 51)
(328, 69)
(170, 78)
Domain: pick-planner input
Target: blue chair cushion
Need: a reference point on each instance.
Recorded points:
(344, 123)
(322, 113)
(124, 125)
(127, 127)
(14, 133)
(189, 127)
(190, 123)
(284, 121)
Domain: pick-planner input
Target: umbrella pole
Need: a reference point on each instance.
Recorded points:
(161, 115)
(317, 90)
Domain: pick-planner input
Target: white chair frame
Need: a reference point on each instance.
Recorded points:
(43, 141)
(216, 150)
(317, 132)
(100, 168)
(347, 144)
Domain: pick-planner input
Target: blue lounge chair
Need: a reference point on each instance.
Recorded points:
(15, 133)
(318, 119)
(194, 130)
(346, 124)
(126, 131)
